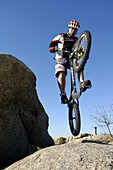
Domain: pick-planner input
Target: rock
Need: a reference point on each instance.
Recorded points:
(75, 156)
(71, 138)
(85, 138)
(23, 121)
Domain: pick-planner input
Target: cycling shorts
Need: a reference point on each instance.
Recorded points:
(62, 64)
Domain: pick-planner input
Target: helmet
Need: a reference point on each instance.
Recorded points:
(74, 24)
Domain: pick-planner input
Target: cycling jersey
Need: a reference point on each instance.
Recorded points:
(65, 42)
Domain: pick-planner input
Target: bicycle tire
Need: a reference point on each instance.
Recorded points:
(74, 122)
(80, 65)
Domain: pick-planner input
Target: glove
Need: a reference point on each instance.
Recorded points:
(52, 50)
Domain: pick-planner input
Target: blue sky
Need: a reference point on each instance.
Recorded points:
(26, 29)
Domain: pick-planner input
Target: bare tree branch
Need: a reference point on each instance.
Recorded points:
(102, 117)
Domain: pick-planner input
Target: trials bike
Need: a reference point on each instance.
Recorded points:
(77, 61)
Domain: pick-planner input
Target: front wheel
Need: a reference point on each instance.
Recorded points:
(74, 118)
(82, 47)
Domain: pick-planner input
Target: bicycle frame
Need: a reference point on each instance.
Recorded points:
(74, 113)
(75, 92)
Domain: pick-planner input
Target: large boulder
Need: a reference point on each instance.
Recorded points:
(23, 121)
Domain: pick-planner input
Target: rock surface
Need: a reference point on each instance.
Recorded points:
(105, 139)
(70, 156)
(23, 120)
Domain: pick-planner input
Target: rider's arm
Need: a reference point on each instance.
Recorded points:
(54, 43)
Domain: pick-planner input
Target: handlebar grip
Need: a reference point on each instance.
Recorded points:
(56, 50)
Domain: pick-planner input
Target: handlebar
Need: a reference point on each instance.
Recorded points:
(59, 50)
(75, 53)
(66, 51)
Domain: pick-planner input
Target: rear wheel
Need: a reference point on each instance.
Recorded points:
(74, 118)
(82, 47)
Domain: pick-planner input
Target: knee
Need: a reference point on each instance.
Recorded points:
(61, 74)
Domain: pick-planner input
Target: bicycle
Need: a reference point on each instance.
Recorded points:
(77, 61)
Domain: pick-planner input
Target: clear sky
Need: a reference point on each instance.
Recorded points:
(26, 29)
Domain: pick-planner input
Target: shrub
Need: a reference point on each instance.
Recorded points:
(62, 140)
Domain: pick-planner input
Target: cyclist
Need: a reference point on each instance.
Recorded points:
(65, 41)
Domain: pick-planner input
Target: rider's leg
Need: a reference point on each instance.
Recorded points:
(61, 81)
(80, 76)
(60, 72)
(83, 84)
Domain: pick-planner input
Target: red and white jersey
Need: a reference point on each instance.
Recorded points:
(65, 42)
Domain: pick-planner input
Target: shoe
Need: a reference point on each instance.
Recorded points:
(85, 85)
(64, 98)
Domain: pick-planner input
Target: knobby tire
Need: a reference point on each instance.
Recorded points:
(85, 56)
(75, 122)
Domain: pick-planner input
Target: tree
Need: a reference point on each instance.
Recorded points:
(103, 118)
